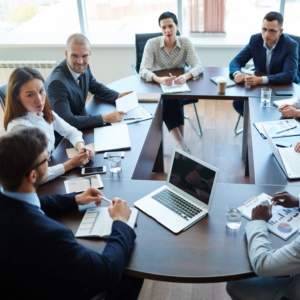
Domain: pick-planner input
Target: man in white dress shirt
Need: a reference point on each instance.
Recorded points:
(278, 269)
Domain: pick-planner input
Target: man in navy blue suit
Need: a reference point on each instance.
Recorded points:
(39, 257)
(274, 54)
(69, 83)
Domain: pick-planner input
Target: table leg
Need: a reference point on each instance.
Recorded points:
(245, 130)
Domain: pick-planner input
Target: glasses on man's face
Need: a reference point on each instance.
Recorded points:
(40, 163)
(271, 31)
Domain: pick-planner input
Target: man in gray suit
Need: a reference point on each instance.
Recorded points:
(69, 83)
(268, 262)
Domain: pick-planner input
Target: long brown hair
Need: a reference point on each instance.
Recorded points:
(13, 107)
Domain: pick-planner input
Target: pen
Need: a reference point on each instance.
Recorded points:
(170, 74)
(107, 200)
(286, 129)
(130, 119)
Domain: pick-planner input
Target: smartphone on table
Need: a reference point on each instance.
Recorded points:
(93, 170)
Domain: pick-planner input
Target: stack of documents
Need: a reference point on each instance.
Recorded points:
(289, 101)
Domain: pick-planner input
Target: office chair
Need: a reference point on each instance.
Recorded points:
(3, 95)
(293, 37)
(140, 42)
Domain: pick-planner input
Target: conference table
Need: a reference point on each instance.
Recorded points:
(263, 166)
(206, 252)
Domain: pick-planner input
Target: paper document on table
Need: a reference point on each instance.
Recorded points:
(280, 128)
(81, 184)
(71, 152)
(289, 101)
(128, 102)
(136, 115)
(284, 222)
(175, 88)
(98, 223)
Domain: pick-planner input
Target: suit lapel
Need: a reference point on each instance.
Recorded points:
(276, 53)
(74, 84)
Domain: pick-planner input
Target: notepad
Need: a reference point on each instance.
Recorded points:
(175, 88)
(109, 138)
(284, 222)
(127, 102)
(98, 223)
(81, 184)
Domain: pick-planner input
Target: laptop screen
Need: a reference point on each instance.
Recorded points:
(193, 176)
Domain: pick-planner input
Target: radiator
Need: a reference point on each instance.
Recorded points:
(43, 66)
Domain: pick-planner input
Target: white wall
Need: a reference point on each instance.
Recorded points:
(112, 63)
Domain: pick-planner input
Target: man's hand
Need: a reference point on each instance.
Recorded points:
(90, 195)
(285, 199)
(288, 111)
(252, 80)
(123, 94)
(239, 78)
(262, 212)
(119, 210)
(114, 117)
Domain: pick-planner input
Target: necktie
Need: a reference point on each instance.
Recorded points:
(81, 81)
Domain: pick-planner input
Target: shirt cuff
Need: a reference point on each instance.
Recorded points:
(54, 172)
(265, 79)
(235, 73)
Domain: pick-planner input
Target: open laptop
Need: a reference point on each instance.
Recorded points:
(187, 196)
(288, 158)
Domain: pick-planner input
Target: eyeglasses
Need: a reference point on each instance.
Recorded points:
(271, 31)
(40, 163)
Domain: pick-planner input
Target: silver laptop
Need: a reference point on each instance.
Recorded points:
(187, 196)
(288, 158)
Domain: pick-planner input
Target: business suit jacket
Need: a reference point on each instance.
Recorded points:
(267, 261)
(43, 257)
(283, 64)
(68, 100)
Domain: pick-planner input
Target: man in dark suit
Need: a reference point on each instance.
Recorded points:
(274, 54)
(69, 83)
(40, 257)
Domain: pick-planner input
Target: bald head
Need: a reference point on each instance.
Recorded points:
(77, 39)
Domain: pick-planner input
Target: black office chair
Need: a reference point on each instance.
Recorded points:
(140, 42)
(293, 37)
(3, 95)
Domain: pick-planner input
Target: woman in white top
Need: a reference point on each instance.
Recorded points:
(168, 52)
(28, 105)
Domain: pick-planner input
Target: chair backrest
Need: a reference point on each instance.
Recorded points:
(140, 42)
(297, 39)
(3, 95)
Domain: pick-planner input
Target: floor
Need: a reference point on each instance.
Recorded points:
(220, 147)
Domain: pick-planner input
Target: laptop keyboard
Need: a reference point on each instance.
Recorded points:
(178, 205)
(293, 159)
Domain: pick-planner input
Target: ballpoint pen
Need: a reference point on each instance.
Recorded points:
(286, 129)
(170, 74)
(107, 200)
(130, 119)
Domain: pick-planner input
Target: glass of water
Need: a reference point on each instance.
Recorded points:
(266, 95)
(114, 163)
(234, 216)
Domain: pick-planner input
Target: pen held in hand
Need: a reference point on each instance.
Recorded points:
(131, 119)
(107, 200)
(286, 129)
(170, 74)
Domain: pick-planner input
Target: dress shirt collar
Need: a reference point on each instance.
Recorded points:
(162, 43)
(74, 74)
(30, 198)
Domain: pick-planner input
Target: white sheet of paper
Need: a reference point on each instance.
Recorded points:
(71, 152)
(128, 102)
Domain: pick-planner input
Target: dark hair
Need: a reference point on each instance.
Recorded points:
(19, 151)
(167, 15)
(13, 107)
(274, 16)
